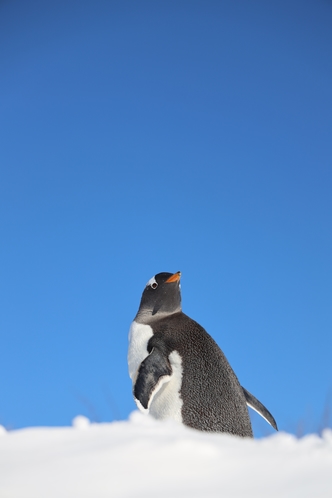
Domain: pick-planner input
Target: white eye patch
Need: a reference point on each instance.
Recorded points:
(151, 281)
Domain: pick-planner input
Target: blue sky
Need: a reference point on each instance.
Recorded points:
(140, 137)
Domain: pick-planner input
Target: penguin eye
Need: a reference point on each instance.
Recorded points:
(154, 285)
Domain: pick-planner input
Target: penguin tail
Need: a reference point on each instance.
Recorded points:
(259, 408)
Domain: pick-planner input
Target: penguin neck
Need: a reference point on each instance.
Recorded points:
(146, 317)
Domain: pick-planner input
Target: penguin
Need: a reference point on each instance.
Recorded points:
(179, 372)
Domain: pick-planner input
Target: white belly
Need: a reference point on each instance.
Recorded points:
(166, 402)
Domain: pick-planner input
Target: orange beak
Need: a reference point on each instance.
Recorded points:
(174, 278)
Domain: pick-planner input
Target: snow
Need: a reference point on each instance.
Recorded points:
(146, 458)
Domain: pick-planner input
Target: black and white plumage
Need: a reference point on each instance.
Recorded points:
(177, 369)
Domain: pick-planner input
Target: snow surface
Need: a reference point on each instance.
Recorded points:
(146, 458)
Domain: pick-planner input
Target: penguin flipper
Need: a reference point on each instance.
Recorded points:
(259, 408)
(153, 372)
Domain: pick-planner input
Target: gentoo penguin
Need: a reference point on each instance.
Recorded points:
(177, 369)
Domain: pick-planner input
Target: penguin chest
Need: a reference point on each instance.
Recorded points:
(139, 336)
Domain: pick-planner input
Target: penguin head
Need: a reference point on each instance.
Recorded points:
(161, 296)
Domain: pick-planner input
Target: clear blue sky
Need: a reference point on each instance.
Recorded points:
(140, 137)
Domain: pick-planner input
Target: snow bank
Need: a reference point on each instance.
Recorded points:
(145, 458)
